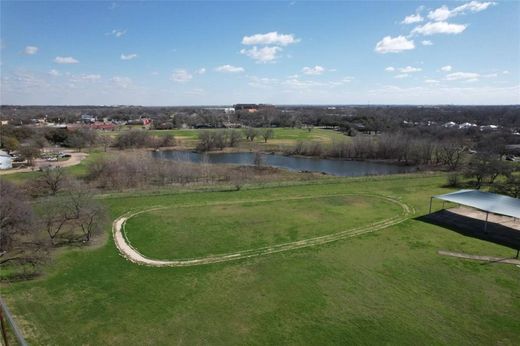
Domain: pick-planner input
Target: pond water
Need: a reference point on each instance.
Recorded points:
(332, 167)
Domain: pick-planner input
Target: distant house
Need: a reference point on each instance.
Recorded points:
(450, 124)
(250, 107)
(88, 119)
(103, 126)
(467, 125)
(141, 121)
(6, 161)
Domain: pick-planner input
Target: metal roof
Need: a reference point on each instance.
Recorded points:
(486, 201)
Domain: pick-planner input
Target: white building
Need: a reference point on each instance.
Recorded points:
(6, 161)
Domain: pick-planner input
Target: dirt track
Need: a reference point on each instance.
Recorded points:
(134, 256)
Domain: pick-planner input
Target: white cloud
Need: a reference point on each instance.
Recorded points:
(431, 81)
(446, 68)
(474, 6)
(427, 43)
(505, 72)
(195, 92)
(90, 77)
(409, 69)
(65, 60)
(262, 82)
(30, 50)
(121, 82)
(116, 33)
(439, 28)
(270, 38)
(128, 56)
(181, 75)
(390, 69)
(490, 75)
(439, 14)
(262, 55)
(54, 73)
(229, 69)
(413, 18)
(394, 45)
(466, 76)
(400, 76)
(316, 70)
(201, 70)
(442, 13)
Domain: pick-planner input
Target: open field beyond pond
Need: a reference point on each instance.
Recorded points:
(388, 286)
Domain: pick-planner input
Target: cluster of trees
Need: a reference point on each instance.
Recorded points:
(28, 142)
(220, 139)
(487, 167)
(382, 118)
(138, 170)
(62, 211)
(400, 148)
(142, 139)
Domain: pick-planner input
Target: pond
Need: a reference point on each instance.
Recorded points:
(329, 166)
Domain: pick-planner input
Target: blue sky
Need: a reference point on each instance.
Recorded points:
(297, 52)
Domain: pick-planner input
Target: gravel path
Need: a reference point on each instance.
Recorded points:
(75, 159)
(131, 254)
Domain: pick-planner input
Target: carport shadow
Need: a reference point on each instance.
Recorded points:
(470, 227)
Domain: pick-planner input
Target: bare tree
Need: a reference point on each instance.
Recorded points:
(486, 167)
(52, 180)
(19, 240)
(105, 141)
(29, 152)
(234, 137)
(72, 216)
(251, 133)
(267, 134)
(450, 154)
(510, 187)
(237, 178)
(205, 141)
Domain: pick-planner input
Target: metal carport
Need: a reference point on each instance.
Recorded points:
(485, 201)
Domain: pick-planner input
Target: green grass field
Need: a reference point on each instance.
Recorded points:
(180, 232)
(280, 134)
(387, 287)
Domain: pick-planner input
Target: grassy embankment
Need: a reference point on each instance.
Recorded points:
(386, 287)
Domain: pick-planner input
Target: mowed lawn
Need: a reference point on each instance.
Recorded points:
(198, 231)
(283, 134)
(387, 287)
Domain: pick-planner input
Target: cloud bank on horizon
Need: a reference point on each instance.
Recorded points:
(304, 53)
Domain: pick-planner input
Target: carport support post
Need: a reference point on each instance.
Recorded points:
(485, 225)
(431, 199)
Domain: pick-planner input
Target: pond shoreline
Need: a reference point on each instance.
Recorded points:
(298, 163)
(281, 153)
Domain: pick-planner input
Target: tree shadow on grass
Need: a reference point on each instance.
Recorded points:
(474, 228)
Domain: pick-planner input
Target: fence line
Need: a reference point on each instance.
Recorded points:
(12, 323)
